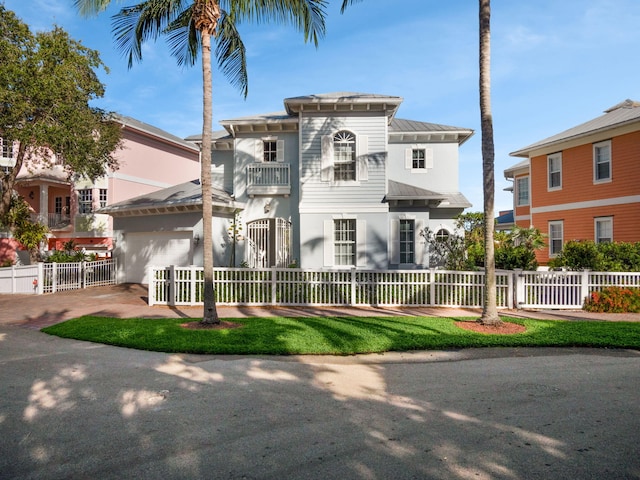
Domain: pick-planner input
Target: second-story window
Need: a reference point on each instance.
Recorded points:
(85, 200)
(103, 197)
(6, 148)
(344, 159)
(522, 191)
(554, 169)
(270, 150)
(602, 161)
(418, 158)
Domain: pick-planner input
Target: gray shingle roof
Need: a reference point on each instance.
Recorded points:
(623, 113)
(154, 131)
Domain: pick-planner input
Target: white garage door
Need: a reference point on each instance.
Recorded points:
(155, 249)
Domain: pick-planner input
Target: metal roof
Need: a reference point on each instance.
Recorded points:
(623, 113)
(398, 191)
(178, 198)
(153, 131)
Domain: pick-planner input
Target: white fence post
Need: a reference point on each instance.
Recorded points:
(192, 284)
(40, 279)
(172, 285)
(519, 290)
(274, 285)
(352, 296)
(432, 287)
(584, 287)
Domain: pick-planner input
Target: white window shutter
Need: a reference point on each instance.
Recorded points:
(328, 243)
(361, 243)
(428, 157)
(326, 161)
(394, 242)
(280, 150)
(408, 158)
(363, 157)
(259, 150)
(420, 244)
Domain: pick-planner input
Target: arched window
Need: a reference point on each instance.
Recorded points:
(344, 156)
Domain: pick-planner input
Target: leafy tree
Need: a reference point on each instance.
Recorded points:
(189, 26)
(46, 83)
(514, 249)
(30, 234)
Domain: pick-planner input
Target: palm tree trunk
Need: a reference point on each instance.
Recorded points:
(210, 315)
(490, 310)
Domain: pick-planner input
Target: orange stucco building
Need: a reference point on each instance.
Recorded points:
(583, 183)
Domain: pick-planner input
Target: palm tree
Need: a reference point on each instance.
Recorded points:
(189, 26)
(489, 311)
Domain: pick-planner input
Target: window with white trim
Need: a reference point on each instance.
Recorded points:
(407, 241)
(344, 241)
(602, 162)
(103, 197)
(603, 229)
(269, 149)
(85, 200)
(522, 191)
(554, 169)
(555, 237)
(6, 148)
(418, 158)
(442, 235)
(344, 157)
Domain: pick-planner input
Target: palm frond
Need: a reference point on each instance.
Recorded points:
(132, 26)
(184, 39)
(346, 3)
(90, 8)
(231, 54)
(307, 16)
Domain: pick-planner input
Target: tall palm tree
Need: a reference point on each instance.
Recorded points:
(189, 26)
(489, 311)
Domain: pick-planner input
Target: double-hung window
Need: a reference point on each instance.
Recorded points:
(418, 158)
(554, 169)
(555, 237)
(85, 200)
(407, 241)
(6, 148)
(602, 162)
(604, 229)
(344, 156)
(103, 197)
(522, 191)
(344, 241)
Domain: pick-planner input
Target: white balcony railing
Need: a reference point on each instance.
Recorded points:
(269, 179)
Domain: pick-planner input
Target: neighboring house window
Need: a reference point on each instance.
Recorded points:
(407, 241)
(58, 205)
(103, 197)
(602, 161)
(604, 229)
(6, 148)
(522, 191)
(85, 200)
(555, 238)
(344, 156)
(554, 169)
(344, 241)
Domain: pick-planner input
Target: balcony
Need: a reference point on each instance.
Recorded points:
(269, 179)
(53, 221)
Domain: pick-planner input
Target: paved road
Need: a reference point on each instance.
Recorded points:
(77, 410)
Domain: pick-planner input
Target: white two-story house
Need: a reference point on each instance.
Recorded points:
(334, 181)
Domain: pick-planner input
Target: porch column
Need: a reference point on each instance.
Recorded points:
(44, 204)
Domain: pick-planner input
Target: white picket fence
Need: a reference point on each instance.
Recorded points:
(53, 277)
(274, 286)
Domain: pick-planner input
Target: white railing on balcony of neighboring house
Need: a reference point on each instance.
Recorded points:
(269, 178)
(52, 220)
(439, 288)
(54, 277)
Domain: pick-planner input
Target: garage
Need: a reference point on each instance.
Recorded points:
(155, 249)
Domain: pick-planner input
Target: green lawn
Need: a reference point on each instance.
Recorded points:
(339, 335)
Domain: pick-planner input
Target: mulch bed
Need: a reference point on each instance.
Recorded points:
(504, 328)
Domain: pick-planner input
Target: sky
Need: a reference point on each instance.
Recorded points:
(554, 64)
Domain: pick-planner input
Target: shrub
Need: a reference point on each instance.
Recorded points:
(599, 257)
(614, 300)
